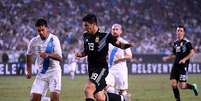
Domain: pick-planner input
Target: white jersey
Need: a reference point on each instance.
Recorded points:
(51, 44)
(114, 51)
(118, 72)
(71, 57)
(72, 63)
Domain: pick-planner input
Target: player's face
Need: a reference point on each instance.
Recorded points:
(180, 33)
(90, 28)
(116, 31)
(43, 32)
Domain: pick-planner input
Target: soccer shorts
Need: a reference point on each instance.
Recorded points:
(179, 72)
(98, 78)
(118, 77)
(72, 67)
(50, 80)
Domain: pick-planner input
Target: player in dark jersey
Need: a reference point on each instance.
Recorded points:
(182, 52)
(96, 49)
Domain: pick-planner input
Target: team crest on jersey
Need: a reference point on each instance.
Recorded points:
(86, 40)
(178, 49)
(97, 39)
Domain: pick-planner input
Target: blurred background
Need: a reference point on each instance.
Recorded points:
(150, 24)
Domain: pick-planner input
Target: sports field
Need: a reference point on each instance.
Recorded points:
(142, 88)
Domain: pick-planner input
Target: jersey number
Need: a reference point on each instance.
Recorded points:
(91, 46)
(94, 76)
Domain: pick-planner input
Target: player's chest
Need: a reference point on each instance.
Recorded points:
(180, 47)
(40, 46)
(95, 43)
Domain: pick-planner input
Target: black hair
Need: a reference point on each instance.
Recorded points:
(41, 22)
(182, 26)
(90, 18)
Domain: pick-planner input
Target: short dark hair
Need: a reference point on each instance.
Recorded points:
(90, 18)
(41, 22)
(182, 26)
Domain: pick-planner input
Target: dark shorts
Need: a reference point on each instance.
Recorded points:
(98, 78)
(179, 72)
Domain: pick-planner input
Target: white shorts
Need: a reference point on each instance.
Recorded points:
(72, 67)
(49, 81)
(118, 78)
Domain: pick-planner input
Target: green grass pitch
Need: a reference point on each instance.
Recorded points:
(142, 88)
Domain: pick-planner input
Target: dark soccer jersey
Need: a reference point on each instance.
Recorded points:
(96, 48)
(181, 49)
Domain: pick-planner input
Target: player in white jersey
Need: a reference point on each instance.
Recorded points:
(46, 47)
(72, 63)
(117, 79)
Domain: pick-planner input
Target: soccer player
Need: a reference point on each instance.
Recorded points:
(182, 52)
(117, 64)
(96, 49)
(46, 47)
(72, 63)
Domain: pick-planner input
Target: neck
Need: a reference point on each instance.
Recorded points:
(180, 39)
(45, 37)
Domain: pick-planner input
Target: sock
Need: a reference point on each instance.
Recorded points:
(189, 86)
(113, 97)
(124, 92)
(89, 99)
(72, 75)
(111, 89)
(176, 93)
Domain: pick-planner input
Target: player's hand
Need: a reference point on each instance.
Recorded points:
(43, 55)
(28, 74)
(165, 59)
(117, 56)
(78, 55)
(183, 61)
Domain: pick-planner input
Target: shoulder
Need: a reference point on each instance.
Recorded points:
(54, 37)
(186, 40)
(85, 34)
(35, 39)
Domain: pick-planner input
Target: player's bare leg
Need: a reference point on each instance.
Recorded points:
(72, 75)
(36, 97)
(184, 85)
(54, 96)
(100, 96)
(175, 89)
(89, 90)
(124, 93)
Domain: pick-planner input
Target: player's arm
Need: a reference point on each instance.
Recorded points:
(182, 61)
(190, 48)
(28, 71)
(30, 52)
(113, 40)
(80, 54)
(168, 58)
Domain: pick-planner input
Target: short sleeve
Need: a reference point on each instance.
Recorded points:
(30, 49)
(189, 46)
(128, 51)
(57, 46)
